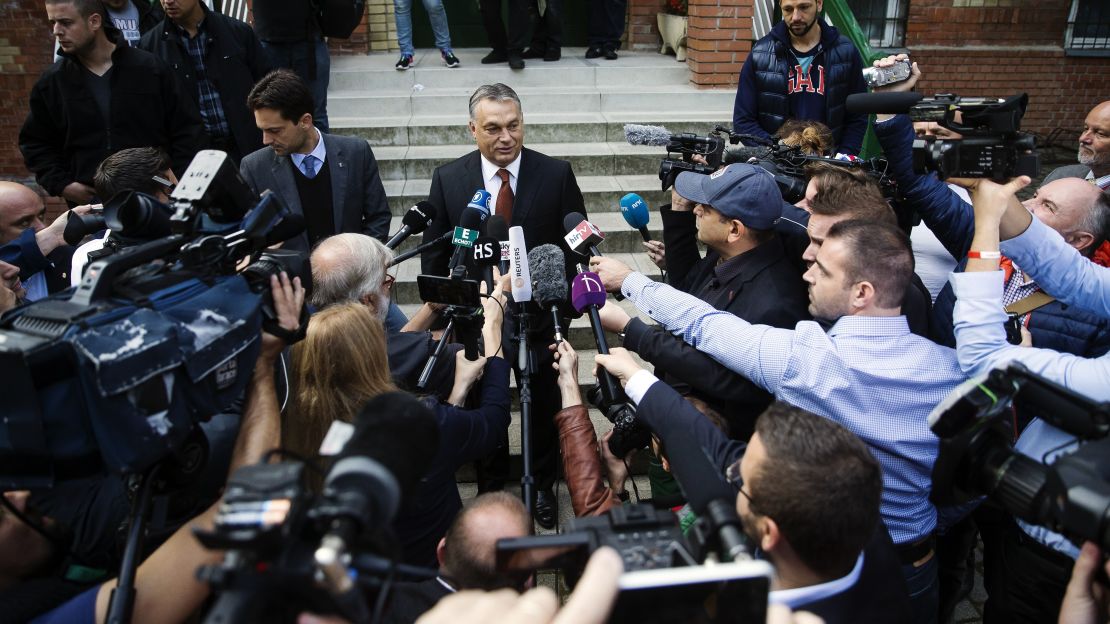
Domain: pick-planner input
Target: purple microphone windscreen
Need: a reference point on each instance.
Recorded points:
(635, 211)
(587, 291)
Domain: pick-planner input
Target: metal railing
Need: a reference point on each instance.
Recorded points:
(882, 21)
(1088, 30)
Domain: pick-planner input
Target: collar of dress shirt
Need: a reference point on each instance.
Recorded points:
(801, 596)
(870, 326)
(321, 152)
(489, 170)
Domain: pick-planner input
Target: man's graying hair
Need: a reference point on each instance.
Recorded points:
(1096, 223)
(497, 92)
(362, 272)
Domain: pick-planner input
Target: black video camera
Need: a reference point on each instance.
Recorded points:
(1070, 496)
(116, 372)
(682, 148)
(628, 433)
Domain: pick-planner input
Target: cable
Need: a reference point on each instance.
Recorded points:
(285, 376)
(501, 340)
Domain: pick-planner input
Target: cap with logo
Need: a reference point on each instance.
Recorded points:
(738, 191)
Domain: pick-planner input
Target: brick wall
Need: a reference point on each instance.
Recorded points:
(718, 40)
(641, 30)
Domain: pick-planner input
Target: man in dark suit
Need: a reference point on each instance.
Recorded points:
(532, 191)
(467, 556)
(332, 180)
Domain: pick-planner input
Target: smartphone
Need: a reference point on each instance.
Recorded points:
(447, 291)
(735, 593)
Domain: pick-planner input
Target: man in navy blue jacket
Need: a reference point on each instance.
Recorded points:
(802, 69)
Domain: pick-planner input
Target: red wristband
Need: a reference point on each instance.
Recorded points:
(985, 255)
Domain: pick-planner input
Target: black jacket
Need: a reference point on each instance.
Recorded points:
(234, 62)
(63, 138)
(769, 290)
(150, 13)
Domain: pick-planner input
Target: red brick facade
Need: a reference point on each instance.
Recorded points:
(719, 37)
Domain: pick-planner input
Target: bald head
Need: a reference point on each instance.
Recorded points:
(20, 208)
(468, 553)
(1075, 208)
(1094, 143)
(351, 267)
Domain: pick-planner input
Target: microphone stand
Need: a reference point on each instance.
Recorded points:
(525, 363)
(422, 383)
(399, 258)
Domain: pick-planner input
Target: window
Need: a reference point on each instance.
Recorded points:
(1088, 32)
(883, 21)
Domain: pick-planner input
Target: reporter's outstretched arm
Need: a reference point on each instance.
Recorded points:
(166, 587)
(1061, 270)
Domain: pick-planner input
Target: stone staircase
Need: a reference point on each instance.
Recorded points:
(574, 109)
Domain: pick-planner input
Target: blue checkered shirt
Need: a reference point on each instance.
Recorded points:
(211, 108)
(868, 373)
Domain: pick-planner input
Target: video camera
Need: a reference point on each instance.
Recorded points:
(1070, 496)
(991, 147)
(116, 372)
(663, 579)
(681, 149)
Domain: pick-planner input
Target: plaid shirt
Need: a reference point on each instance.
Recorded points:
(211, 109)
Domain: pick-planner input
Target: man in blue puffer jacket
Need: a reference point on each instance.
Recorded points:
(1069, 206)
(802, 69)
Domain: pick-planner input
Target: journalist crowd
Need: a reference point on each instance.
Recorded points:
(858, 382)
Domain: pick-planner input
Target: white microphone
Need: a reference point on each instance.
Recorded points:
(521, 278)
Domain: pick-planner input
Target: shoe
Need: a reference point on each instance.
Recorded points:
(515, 62)
(593, 52)
(533, 53)
(610, 54)
(545, 509)
(493, 57)
(449, 58)
(404, 62)
(553, 55)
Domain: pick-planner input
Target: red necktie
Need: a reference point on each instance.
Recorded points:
(504, 206)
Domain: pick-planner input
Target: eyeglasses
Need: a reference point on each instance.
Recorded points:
(388, 281)
(166, 184)
(734, 478)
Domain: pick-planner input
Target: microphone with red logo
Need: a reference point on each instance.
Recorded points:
(582, 237)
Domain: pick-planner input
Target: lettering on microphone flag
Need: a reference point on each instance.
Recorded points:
(463, 237)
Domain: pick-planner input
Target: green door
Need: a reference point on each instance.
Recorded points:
(465, 21)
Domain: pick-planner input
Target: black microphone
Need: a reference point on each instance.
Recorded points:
(707, 492)
(895, 103)
(470, 223)
(498, 229)
(415, 221)
(549, 281)
(292, 224)
(486, 254)
(379, 467)
(581, 235)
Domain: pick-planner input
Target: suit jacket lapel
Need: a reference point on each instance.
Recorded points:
(527, 182)
(338, 167)
(281, 168)
(474, 180)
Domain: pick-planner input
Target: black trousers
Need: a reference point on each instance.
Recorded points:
(606, 23)
(547, 31)
(1029, 586)
(519, 25)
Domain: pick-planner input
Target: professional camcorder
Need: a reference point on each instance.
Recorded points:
(162, 333)
(975, 425)
(991, 147)
(785, 162)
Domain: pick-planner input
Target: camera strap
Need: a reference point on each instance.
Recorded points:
(1026, 305)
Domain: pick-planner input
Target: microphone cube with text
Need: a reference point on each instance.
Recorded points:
(583, 236)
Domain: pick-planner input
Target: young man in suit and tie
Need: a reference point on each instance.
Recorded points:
(332, 180)
(535, 192)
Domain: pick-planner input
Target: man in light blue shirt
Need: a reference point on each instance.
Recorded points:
(868, 372)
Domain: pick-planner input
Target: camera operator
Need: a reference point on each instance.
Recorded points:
(166, 587)
(38, 250)
(1069, 205)
(1038, 561)
(11, 287)
(467, 556)
(868, 363)
(1094, 150)
(353, 268)
(805, 69)
(747, 272)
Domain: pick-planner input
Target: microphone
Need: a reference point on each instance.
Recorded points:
(549, 281)
(521, 280)
(638, 134)
(635, 212)
(486, 254)
(379, 467)
(481, 201)
(498, 229)
(581, 235)
(470, 222)
(587, 295)
(881, 103)
(415, 221)
(708, 494)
